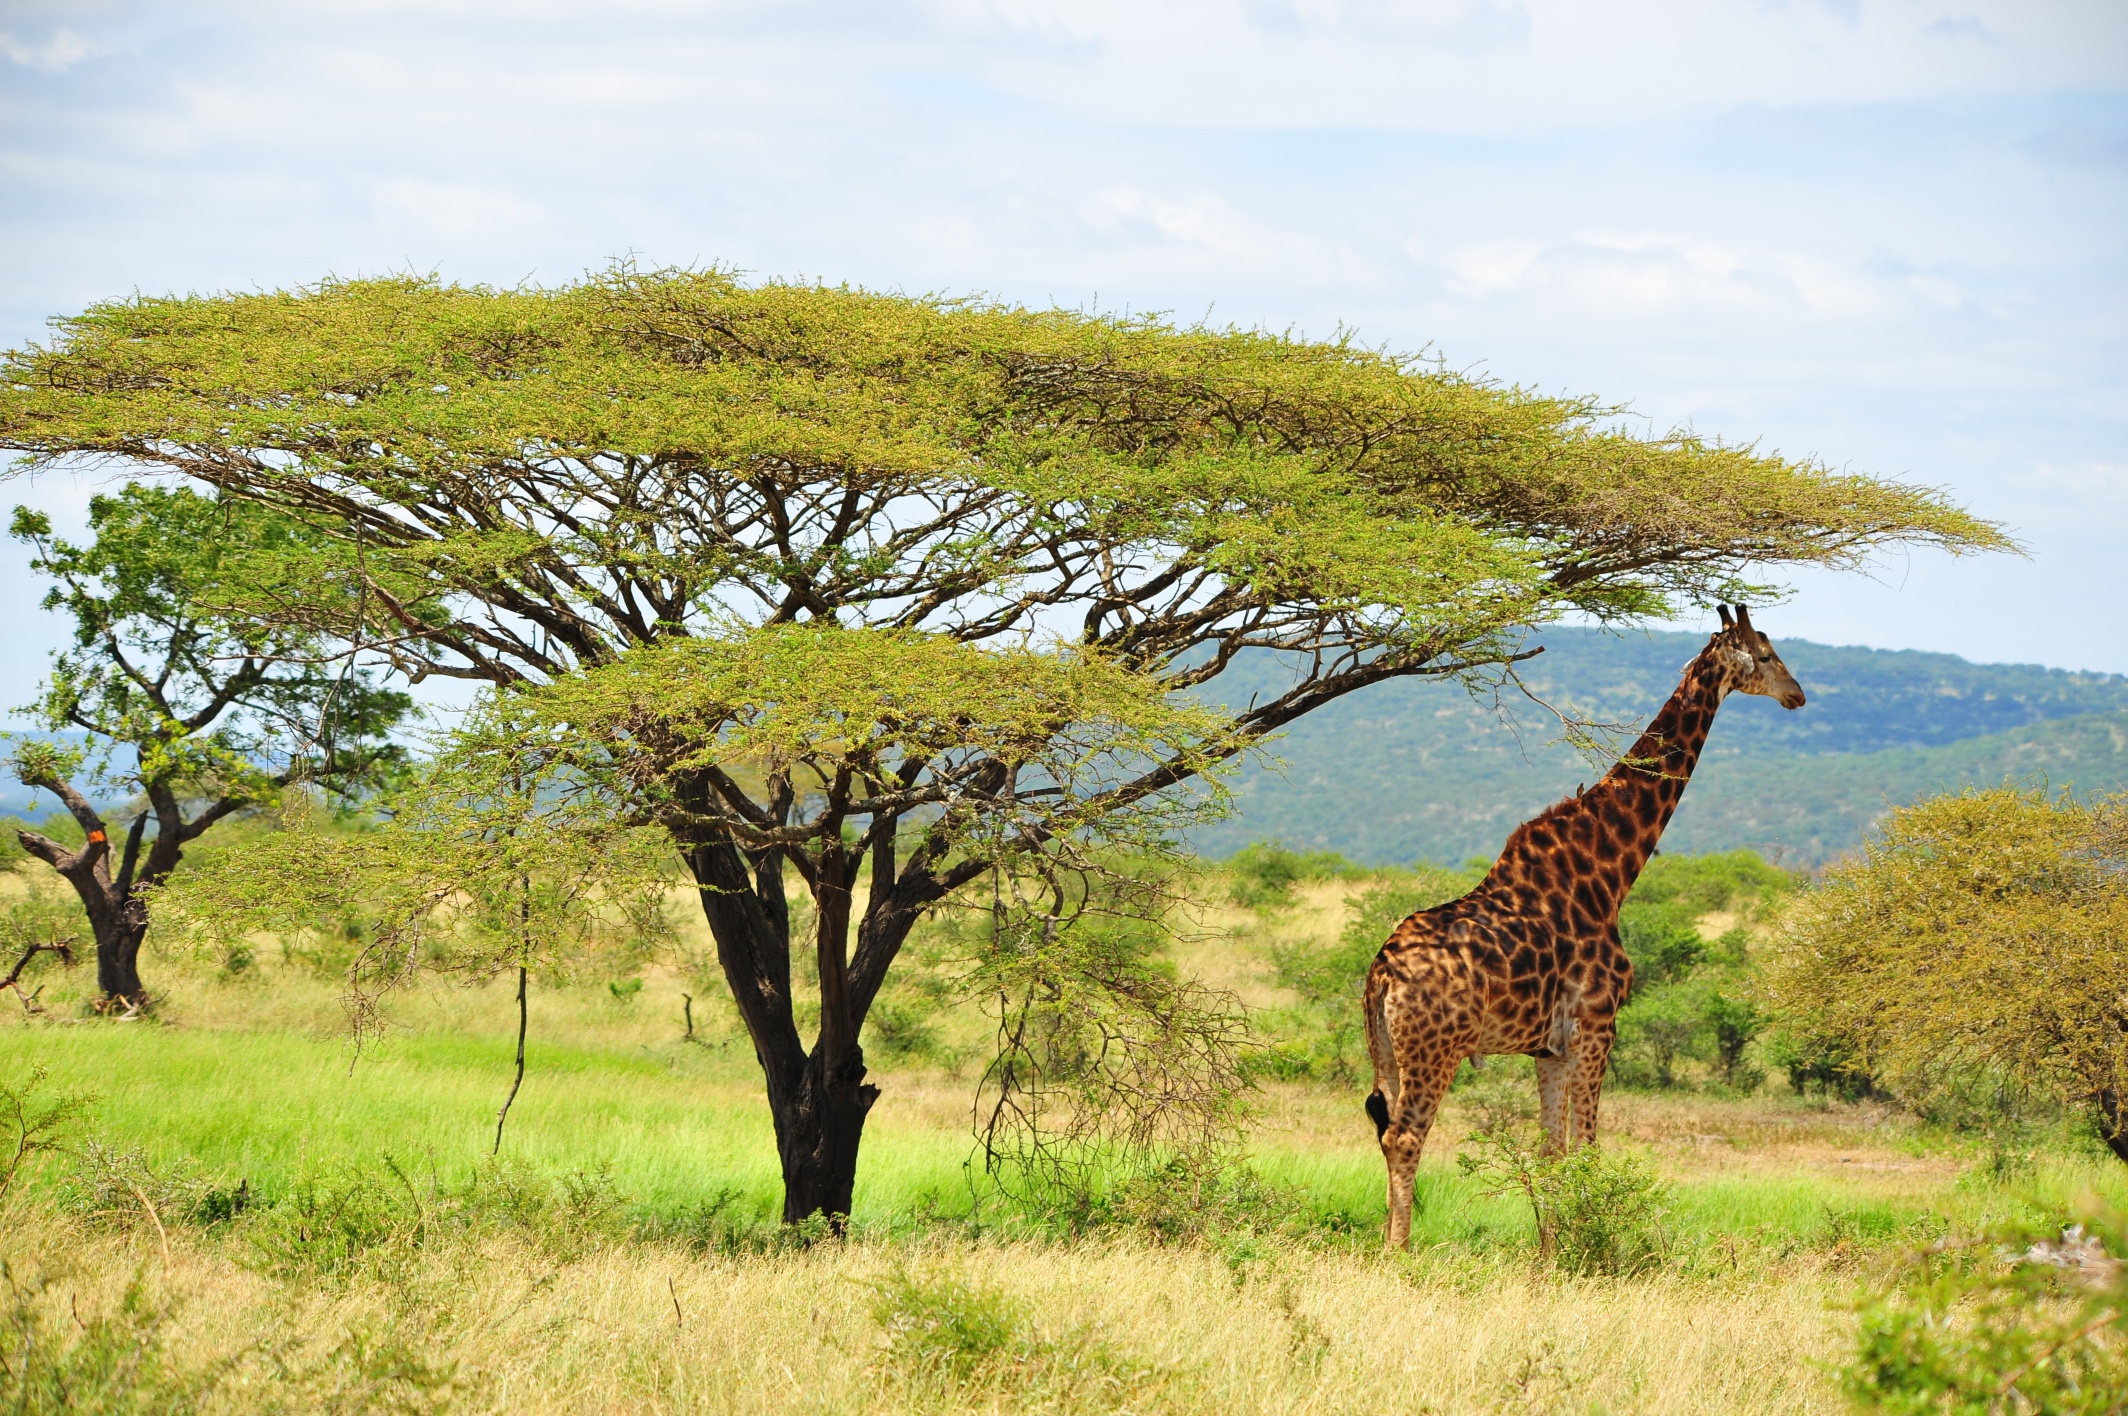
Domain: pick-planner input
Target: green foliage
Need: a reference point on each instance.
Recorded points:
(209, 701)
(813, 702)
(1107, 1064)
(1595, 1213)
(34, 1124)
(1980, 934)
(1262, 875)
(1694, 998)
(1727, 880)
(2022, 1319)
(1661, 1026)
(1818, 1063)
(944, 1325)
(1663, 941)
(1737, 1020)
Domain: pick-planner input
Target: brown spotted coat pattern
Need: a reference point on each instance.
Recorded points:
(1529, 961)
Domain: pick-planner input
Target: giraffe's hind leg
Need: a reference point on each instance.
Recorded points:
(1424, 1082)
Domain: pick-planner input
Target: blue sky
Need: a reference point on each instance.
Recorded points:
(1890, 236)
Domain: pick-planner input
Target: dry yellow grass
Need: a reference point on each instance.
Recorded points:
(1102, 1326)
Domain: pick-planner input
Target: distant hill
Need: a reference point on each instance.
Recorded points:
(1406, 771)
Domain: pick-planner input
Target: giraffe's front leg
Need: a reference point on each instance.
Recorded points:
(1555, 1102)
(1591, 1054)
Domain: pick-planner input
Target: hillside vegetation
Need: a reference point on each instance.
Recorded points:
(1442, 776)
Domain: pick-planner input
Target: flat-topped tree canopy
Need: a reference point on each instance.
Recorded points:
(545, 477)
(532, 486)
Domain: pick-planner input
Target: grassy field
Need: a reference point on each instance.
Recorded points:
(618, 1257)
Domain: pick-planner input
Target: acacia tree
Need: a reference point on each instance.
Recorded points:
(1981, 931)
(965, 560)
(193, 708)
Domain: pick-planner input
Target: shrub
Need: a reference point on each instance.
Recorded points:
(34, 1124)
(107, 1362)
(1980, 933)
(1262, 875)
(943, 1330)
(943, 1325)
(1814, 1062)
(2019, 1320)
(1595, 1213)
(1662, 940)
(1657, 1028)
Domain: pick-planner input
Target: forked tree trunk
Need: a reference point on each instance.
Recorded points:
(818, 1099)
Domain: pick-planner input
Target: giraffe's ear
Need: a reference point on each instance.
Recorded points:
(1723, 611)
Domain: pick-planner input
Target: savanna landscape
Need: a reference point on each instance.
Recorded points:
(785, 979)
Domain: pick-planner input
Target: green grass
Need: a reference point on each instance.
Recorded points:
(679, 1125)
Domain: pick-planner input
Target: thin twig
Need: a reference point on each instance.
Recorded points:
(2075, 1337)
(678, 1319)
(504, 1114)
(160, 1232)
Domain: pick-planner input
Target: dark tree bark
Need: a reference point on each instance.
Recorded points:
(2113, 1121)
(819, 1099)
(118, 916)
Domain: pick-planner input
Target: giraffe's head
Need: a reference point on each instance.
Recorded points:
(1749, 664)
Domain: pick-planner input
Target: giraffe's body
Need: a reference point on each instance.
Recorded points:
(1529, 961)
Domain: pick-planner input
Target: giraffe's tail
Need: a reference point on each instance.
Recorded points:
(1374, 1009)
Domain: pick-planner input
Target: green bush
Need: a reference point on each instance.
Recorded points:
(1662, 940)
(1262, 875)
(1595, 1213)
(1816, 1063)
(2021, 1319)
(944, 1331)
(109, 1362)
(943, 1325)
(1656, 1030)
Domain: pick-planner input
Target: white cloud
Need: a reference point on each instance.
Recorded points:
(56, 55)
(1644, 275)
(1869, 230)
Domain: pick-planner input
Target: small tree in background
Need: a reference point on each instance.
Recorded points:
(192, 709)
(1982, 932)
(824, 582)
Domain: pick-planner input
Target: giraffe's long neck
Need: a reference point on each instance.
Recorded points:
(1595, 844)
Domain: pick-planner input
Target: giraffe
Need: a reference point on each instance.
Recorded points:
(1529, 961)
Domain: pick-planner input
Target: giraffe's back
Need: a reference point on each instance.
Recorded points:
(1495, 973)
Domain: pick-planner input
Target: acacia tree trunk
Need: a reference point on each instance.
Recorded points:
(819, 1099)
(118, 916)
(817, 1135)
(118, 939)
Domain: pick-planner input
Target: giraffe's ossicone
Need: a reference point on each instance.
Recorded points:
(1529, 961)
